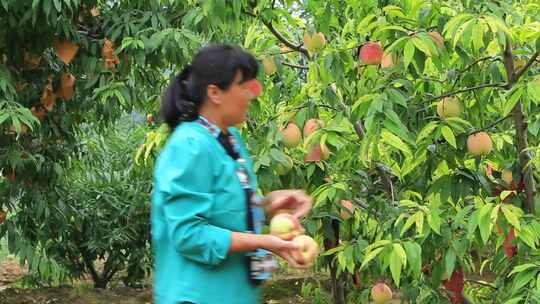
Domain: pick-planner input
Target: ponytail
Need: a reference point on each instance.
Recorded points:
(177, 105)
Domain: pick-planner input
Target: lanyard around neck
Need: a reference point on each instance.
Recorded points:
(242, 172)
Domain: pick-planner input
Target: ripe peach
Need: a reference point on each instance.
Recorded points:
(381, 293)
(312, 125)
(479, 144)
(291, 135)
(309, 249)
(371, 53)
(449, 107)
(348, 210)
(284, 226)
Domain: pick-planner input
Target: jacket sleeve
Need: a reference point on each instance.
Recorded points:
(187, 184)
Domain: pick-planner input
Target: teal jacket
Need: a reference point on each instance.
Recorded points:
(197, 202)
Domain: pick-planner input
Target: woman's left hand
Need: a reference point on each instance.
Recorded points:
(297, 201)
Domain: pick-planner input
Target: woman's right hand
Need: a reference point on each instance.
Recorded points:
(284, 249)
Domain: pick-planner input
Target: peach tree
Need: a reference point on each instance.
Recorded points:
(69, 70)
(412, 123)
(414, 126)
(428, 126)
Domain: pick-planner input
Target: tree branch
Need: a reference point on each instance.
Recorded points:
(476, 62)
(292, 65)
(387, 180)
(482, 86)
(520, 123)
(360, 130)
(358, 202)
(524, 157)
(381, 170)
(284, 52)
(284, 40)
(279, 36)
(509, 64)
(480, 283)
(498, 121)
(521, 71)
(299, 108)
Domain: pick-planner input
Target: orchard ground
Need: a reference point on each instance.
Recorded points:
(288, 287)
(285, 288)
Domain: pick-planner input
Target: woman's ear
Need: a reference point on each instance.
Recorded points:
(214, 93)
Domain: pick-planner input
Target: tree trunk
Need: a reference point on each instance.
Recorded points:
(338, 291)
(101, 283)
(524, 157)
(521, 126)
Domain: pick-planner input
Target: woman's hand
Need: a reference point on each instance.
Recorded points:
(285, 250)
(295, 200)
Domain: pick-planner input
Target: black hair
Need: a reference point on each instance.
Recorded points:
(215, 64)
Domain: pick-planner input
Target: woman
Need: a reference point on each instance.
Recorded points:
(206, 218)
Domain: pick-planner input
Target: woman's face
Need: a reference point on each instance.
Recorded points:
(234, 102)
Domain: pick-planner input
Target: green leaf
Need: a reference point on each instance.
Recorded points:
(511, 102)
(514, 300)
(370, 256)
(467, 33)
(395, 142)
(455, 23)
(16, 124)
(58, 5)
(378, 243)
(396, 265)
(3, 117)
(398, 44)
(401, 252)
(522, 267)
(434, 221)
(394, 11)
(450, 261)
(35, 4)
(332, 251)
(408, 53)
(448, 135)
(422, 46)
(414, 256)
(380, 31)
(538, 283)
(396, 126)
(408, 224)
(533, 90)
(496, 24)
(478, 36)
(511, 217)
(527, 236)
(522, 279)
(361, 28)
(484, 222)
(426, 131)
(419, 222)
(504, 194)
(457, 122)
(47, 6)
(413, 162)
(459, 32)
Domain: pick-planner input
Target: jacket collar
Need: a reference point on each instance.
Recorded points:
(214, 129)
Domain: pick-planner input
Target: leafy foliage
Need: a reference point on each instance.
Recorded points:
(426, 208)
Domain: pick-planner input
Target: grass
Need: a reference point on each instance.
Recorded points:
(3, 249)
